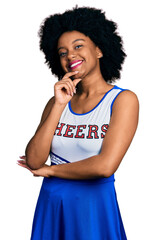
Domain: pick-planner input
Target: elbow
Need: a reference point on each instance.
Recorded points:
(107, 166)
(106, 174)
(33, 164)
(106, 171)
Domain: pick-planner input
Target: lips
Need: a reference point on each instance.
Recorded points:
(75, 64)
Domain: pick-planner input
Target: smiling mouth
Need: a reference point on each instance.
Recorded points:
(75, 65)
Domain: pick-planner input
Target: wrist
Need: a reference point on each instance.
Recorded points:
(51, 171)
(59, 107)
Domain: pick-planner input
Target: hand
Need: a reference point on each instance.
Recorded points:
(65, 88)
(41, 172)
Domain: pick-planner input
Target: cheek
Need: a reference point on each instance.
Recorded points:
(63, 64)
(90, 55)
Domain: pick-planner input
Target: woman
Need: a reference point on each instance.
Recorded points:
(86, 127)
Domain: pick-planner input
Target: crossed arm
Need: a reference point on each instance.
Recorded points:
(120, 133)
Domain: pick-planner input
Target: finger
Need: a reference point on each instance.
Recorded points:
(20, 164)
(76, 81)
(70, 85)
(65, 85)
(21, 161)
(69, 74)
(73, 83)
(23, 165)
(22, 157)
(35, 175)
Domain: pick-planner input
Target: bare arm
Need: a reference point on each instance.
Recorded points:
(117, 140)
(120, 133)
(38, 148)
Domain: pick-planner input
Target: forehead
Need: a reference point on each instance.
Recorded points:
(70, 37)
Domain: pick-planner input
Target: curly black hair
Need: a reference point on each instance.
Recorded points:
(91, 22)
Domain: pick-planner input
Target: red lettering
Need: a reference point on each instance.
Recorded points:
(60, 129)
(104, 129)
(80, 130)
(91, 130)
(69, 130)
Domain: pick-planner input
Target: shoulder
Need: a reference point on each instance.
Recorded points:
(125, 108)
(125, 99)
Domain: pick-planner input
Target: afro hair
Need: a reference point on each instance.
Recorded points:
(92, 23)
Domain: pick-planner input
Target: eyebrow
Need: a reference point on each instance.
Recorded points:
(80, 39)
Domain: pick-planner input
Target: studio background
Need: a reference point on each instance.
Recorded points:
(26, 86)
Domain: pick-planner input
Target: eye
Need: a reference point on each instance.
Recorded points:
(62, 54)
(78, 46)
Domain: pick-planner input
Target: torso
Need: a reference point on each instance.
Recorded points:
(80, 135)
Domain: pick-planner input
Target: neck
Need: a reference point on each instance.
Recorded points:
(91, 85)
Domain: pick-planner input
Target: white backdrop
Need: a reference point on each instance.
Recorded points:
(26, 86)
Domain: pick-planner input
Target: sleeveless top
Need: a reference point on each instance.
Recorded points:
(80, 136)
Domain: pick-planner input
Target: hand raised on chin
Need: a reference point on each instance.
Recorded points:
(65, 88)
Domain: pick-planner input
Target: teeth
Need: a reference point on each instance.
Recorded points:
(74, 64)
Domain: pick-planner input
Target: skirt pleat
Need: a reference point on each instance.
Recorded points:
(77, 210)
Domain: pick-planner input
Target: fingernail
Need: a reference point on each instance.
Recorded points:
(74, 90)
(76, 71)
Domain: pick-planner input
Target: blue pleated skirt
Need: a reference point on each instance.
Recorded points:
(77, 210)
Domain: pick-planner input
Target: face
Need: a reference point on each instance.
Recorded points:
(78, 52)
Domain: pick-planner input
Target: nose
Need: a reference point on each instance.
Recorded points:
(71, 55)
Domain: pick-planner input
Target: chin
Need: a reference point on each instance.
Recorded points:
(76, 76)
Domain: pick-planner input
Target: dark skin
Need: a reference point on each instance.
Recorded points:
(76, 46)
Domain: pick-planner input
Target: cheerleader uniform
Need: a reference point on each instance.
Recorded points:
(79, 209)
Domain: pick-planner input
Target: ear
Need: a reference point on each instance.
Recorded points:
(99, 52)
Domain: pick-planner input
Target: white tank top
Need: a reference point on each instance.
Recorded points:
(80, 136)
